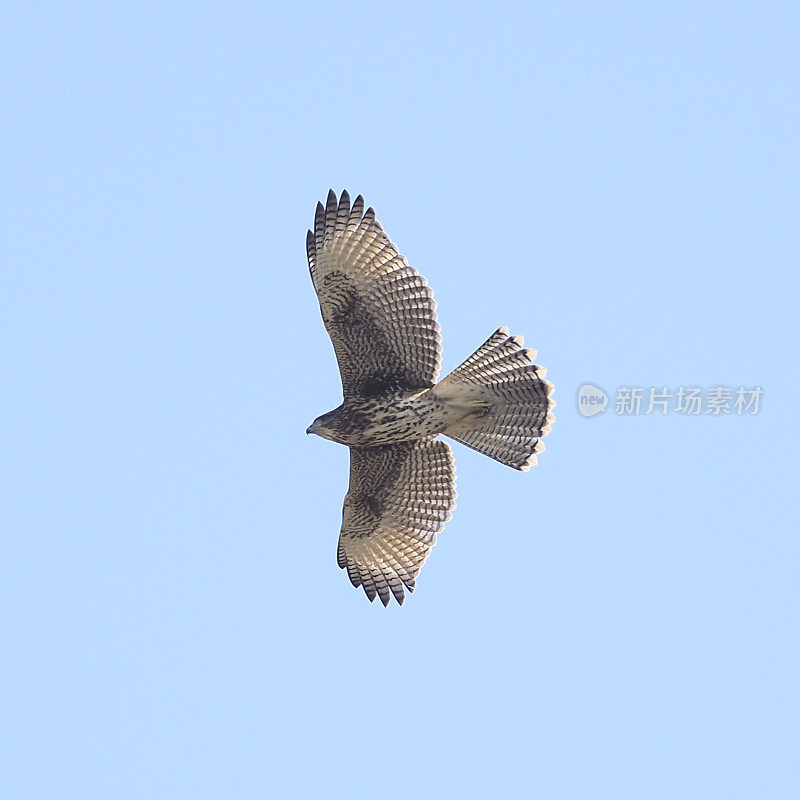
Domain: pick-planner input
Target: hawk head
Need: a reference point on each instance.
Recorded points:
(326, 425)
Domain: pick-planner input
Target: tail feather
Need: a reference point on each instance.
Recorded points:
(518, 452)
(505, 401)
(498, 346)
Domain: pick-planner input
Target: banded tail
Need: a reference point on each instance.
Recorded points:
(505, 400)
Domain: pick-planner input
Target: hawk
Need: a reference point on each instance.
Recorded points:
(381, 317)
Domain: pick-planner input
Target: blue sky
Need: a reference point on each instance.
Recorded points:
(617, 181)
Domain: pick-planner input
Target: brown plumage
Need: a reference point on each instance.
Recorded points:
(381, 317)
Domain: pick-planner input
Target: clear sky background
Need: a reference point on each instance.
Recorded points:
(617, 181)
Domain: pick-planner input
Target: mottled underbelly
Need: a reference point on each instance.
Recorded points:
(395, 418)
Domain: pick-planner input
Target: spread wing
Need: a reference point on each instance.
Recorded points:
(378, 310)
(400, 497)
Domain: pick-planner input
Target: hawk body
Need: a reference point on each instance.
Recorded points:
(389, 418)
(381, 317)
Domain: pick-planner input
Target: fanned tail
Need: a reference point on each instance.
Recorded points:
(500, 401)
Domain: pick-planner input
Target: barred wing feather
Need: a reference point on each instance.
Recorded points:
(400, 497)
(378, 310)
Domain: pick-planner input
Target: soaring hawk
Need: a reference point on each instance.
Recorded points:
(381, 317)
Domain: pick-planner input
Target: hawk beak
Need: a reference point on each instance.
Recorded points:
(308, 429)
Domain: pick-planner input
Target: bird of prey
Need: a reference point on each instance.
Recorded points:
(381, 317)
